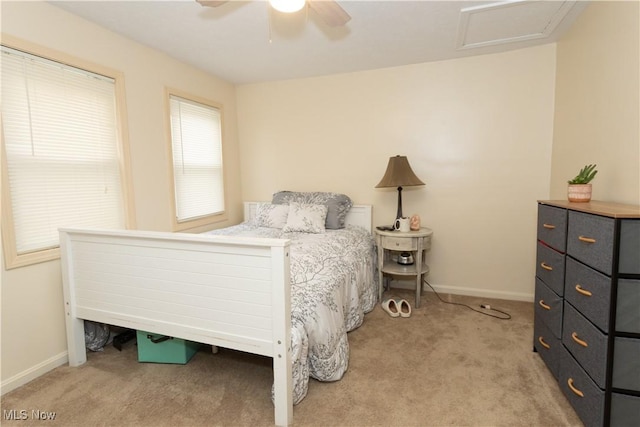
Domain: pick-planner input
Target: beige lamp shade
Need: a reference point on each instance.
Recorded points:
(399, 174)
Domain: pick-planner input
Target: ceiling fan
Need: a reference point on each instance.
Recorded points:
(328, 10)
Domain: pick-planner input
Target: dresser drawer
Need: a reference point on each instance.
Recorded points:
(628, 311)
(548, 346)
(589, 291)
(399, 243)
(550, 268)
(548, 308)
(630, 246)
(586, 343)
(552, 226)
(590, 240)
(583, 394)
(626, 364)
(625, 410)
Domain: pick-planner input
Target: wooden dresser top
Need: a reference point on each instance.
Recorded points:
(610, 209)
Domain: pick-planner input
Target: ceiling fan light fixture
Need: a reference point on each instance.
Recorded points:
(287, 6)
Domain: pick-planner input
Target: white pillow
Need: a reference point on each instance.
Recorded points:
(306, 218)
(272, 216)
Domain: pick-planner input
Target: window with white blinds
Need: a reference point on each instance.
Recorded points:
(196, 146)
(60, 137)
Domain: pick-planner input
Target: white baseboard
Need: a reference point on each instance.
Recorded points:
(472, 292)
(34, 372)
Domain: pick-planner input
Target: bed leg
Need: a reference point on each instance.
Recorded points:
(283, 389)
(75, 341)
(214, 349)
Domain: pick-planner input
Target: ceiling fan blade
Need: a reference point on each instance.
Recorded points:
(330, 11)
(211, 3)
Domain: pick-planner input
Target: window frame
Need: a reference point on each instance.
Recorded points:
(206, 220)
(12, 258)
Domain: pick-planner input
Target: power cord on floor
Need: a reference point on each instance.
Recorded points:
(484, 306)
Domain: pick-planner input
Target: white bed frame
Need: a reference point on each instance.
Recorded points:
(231, 292)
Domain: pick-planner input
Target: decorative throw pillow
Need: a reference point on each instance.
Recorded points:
(270, 215)
(306, 218)
(337, 204)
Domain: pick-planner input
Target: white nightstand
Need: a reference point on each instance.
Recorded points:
(417, 242)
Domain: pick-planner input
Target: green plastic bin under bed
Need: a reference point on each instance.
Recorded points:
(157, 348)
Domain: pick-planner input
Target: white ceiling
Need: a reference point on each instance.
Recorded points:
(246, 41)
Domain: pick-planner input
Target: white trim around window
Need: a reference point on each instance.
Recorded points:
(195, 144)
(61, 165)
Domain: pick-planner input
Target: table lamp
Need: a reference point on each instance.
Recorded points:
(399, 174)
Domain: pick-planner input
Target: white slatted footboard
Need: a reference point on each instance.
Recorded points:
(232, 292)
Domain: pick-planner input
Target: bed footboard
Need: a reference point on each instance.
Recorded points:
(231, 292)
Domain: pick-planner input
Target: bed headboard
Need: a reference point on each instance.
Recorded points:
(360, 215)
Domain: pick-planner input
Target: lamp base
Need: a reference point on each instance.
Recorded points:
(399, 212)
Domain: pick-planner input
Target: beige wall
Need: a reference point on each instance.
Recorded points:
(33, 333)
(477, 131)
(597, 117)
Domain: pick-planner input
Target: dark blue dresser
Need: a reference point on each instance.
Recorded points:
(587, 307)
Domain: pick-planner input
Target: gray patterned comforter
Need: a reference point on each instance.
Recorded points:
(333, 285)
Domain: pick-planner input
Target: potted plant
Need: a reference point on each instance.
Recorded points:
(579, 187)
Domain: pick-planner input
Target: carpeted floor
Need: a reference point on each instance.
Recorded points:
(444, 366)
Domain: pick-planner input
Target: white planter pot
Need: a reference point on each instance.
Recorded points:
(579, 193)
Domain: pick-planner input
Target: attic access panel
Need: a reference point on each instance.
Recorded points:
(509, 21)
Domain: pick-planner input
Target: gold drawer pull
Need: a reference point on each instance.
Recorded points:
(583, 291)
(573, 389)
(549, 226)
(543, 305)
(586, 239)
(545, 266)
(544, 344)
(578, 340)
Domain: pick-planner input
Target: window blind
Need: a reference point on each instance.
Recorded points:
(196, 142)
(61, 141)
